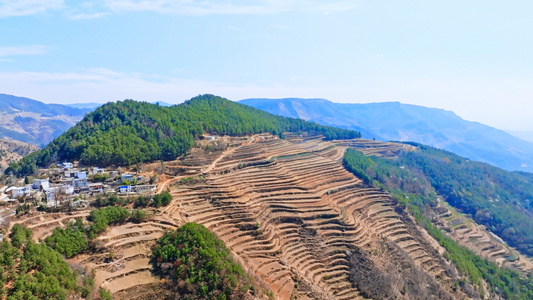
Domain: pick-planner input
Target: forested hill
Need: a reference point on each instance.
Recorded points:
(499, 199)
(128, 132)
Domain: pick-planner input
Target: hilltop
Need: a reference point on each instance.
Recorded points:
(393, 121)
(34, 122)
(128, 132)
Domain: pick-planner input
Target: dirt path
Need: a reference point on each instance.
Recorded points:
(225, 153)
(164, 184)
(209, 169)
(67, 217)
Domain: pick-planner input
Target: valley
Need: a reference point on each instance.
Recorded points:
(478, 239)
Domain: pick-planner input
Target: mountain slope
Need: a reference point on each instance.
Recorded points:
(129, 132)
(35, 122)
(12, 151)
(498, 199)
(289, 213)
(286, 208)
(403, 122)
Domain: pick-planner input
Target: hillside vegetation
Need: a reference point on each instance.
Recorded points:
(129, 132)
(415, 178)
(199, 266)
(500, 200)
(29, 270)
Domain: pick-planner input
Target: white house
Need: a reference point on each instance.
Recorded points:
(79, 182)
(67, 165)
(97, 170)
(66, 189)
(80, 175)
(96, 187)
(51, 196)
(41, 183)
(124, 189)
(17, 191)
(128, 177)
(70, 173)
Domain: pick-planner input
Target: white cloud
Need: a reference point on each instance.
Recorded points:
(99, 8)
(86, 16)
(11, 8)
(87, 10)
(235, 7)
(23, 50)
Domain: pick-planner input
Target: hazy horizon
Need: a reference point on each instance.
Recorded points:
(471, 58)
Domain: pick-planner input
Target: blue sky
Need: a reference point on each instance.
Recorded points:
(472, 57)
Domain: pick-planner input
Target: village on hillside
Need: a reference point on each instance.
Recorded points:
(65, 184)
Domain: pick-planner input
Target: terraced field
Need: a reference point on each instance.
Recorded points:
(481, 241)
(288, 211)
(376, 148)
(291, 212)
(42, 224)
(123, 261)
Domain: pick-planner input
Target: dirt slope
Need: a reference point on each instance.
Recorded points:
(289, 211)
(11, 151)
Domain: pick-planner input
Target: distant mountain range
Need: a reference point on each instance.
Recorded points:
(403, 122)
(89, 105)
(34, 122)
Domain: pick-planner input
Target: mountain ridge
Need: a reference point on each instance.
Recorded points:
(407, 122)
(35, 122)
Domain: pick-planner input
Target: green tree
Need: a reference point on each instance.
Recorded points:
(200, 260)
